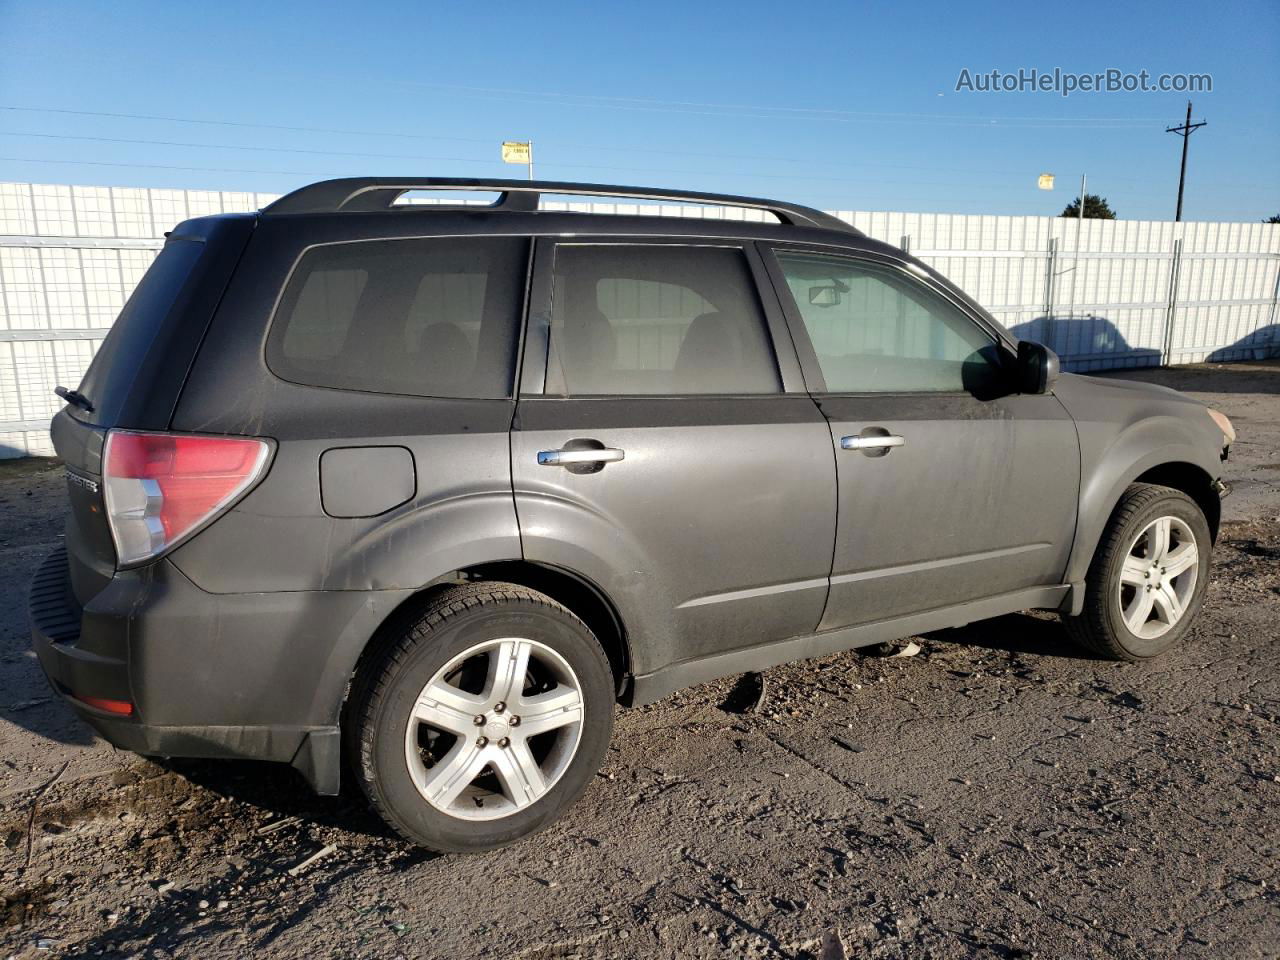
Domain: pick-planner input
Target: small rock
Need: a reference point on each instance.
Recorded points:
(165, 886)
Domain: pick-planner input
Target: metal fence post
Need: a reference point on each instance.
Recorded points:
(1175, 267)
(1051, 264)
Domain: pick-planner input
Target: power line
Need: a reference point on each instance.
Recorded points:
(237, 123)
(568, 166)
(166, 166)
(425, 157)
(413, 136)
(233, 146)
(574, 98)
(932, 120)
(330, 173)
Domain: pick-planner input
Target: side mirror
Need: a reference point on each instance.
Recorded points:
(1037, 367)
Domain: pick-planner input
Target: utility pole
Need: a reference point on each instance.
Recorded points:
(1184, 131)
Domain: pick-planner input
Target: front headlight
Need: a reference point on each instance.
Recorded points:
(1228, 431)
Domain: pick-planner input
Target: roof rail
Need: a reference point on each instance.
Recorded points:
(366, 194)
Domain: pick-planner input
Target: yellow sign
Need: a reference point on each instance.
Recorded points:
(515, 151)
(1046, 181)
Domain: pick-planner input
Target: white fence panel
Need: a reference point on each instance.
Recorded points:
(1103, 293)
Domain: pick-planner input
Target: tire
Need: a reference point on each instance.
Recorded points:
(1130, 574)
(454, 744)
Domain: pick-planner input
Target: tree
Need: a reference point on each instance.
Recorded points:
(1275, 219)
(1095, 208)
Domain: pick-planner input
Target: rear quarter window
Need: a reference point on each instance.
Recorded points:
(120, 359)
(436, 317)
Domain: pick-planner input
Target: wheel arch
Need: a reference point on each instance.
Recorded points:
(1172, 467)
(1194, 482)
(579, 594)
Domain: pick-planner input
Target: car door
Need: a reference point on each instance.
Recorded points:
(665, 449)
(952, 487)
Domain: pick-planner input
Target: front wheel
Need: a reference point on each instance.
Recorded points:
(1147, 581)
(485, 721)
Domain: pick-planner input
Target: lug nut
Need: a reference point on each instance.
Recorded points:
(513, 720)
(1146, 576)
(504, 742)
(499, 707)
(482, 742)
(479, 720)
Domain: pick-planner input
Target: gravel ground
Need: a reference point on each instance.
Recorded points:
(1001, 794)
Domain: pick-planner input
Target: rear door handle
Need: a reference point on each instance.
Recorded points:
(871, 443)
(562, 458)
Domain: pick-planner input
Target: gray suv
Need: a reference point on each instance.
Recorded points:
(427, 489)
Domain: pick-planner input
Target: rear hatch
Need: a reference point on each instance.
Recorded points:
(136, 377)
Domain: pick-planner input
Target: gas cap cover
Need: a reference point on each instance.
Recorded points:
(366, 481)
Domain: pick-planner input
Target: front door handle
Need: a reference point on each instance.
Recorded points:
(871, 443)
(563, 458)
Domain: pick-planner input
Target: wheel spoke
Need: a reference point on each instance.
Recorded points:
(519, 773)
(1181, 560)
(508, 664)
(1168, 604)
(1158, 539)
(455, 771)
(1135, 615)
(444, 706)
(550, 711)
(1135, 571)
(491, 769)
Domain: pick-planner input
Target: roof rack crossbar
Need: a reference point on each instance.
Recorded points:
(366, 194)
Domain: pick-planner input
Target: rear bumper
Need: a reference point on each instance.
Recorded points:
(252, 676)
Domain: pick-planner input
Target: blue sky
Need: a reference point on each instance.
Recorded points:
(841, 105)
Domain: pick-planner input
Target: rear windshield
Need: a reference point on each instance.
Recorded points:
(432, 317)
(116, 365)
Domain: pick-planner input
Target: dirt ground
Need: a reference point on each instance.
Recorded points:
(1001, 794)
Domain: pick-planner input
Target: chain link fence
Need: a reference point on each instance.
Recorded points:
(1103, 294)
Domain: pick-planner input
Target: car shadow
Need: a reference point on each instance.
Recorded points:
(1086, 343)
(278, 789)
(1021, 633)
(1262, 344)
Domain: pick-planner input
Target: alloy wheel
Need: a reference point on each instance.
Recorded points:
(1158, 577)
(494, 729)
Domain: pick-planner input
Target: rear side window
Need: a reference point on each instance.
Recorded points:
(435, 317)
(657, 320)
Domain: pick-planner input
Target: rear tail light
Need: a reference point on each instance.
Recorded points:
(162, 487)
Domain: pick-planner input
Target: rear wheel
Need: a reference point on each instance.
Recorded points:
(485, 721)
(1147, 581)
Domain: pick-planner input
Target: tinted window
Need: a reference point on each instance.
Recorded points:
(436, 317)
(120, 358)
(876, 330)
(654, 320)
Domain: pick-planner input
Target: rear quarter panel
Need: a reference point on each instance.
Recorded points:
(279, 537)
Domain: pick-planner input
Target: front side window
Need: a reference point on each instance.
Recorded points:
(657, 320)
(876, 330)
(435, 317)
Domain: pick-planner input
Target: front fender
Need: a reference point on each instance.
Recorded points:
(1126, 431)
